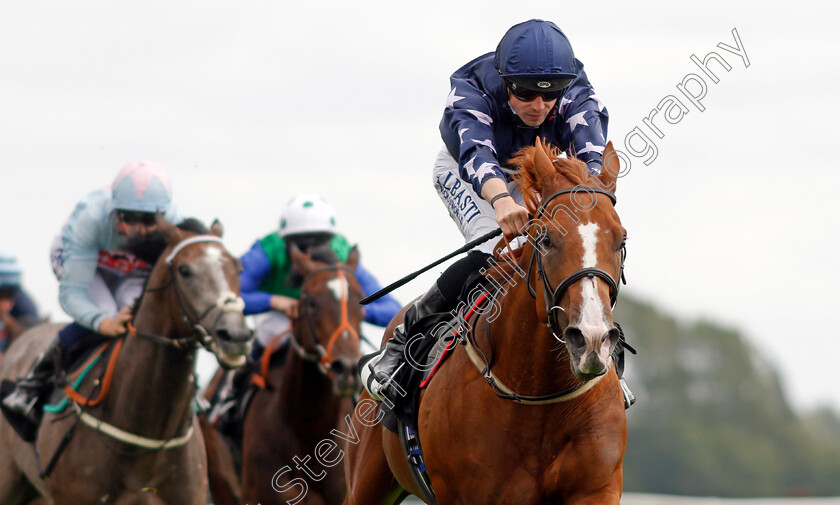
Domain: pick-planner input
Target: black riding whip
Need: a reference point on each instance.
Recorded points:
(408, 278)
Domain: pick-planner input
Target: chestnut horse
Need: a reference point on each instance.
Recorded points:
(289, 451)
(137, 443)
(553, 428)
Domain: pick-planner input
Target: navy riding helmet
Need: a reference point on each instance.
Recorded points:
(536, 55)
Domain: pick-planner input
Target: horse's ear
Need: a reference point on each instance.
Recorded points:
(610, 169)
(300, 260)
(353, 258)
(170, 232)
(217, 229)
(542, 161)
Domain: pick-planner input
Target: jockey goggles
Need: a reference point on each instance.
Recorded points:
(528, 95)
(133, 217)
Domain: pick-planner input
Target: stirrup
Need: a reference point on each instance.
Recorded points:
(377, 385)
(629, 397)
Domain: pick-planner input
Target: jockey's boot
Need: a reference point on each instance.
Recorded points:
(233, 386)
(379, 369)
(22, 406)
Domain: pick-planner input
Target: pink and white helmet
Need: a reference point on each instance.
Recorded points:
(141, 186)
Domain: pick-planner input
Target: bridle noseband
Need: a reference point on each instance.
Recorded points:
(319, 354)
(227, 302)
(552, 302)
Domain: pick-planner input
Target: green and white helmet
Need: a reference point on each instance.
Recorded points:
(307, 213)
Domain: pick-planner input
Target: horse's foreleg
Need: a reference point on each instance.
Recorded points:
(369, 478)
(224, 481)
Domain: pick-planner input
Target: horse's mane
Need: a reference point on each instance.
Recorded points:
(529, 182)
(152, 247)
(321, 254)
(194, 225)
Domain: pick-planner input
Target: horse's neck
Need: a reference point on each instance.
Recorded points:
(307, 398)
(526, 356)
(153, 385)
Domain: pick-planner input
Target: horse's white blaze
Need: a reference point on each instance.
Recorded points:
(338, 288)
(592, 323)
(214, 257)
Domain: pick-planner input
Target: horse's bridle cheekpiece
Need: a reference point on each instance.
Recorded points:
(552, 302)
(227, 302)
(319, 354)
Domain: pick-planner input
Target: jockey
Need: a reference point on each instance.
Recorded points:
(101, 258)
(17, 310)
(531, 86)
(308, 222)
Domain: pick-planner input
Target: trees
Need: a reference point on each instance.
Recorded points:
(712, 418)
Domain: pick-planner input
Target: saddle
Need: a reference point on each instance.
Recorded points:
(432, 340)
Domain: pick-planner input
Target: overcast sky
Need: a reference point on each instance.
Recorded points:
(249, 103)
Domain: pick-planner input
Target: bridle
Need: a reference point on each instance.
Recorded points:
(552, 305)
(199, 336)
(552, 301)
(316, 352)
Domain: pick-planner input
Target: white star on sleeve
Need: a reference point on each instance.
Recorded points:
(576, 120)
(461, 134)
(452, 98)
(482, 117)
(563, 103)
(598, 101)
(484, 170)
(468, 166)
(589, 148)
(487, 142)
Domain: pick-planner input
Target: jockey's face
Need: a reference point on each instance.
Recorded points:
(136, 225)
(532, 112)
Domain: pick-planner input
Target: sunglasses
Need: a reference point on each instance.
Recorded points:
(144, 218)
(528, 95)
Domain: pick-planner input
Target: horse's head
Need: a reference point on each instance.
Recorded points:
(578, 252)
(199, 279)
(326, 330)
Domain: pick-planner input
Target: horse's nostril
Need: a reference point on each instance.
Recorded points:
(337, 367)
(574, 338)
(223, 334)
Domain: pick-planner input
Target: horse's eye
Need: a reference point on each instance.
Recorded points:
(185, 271)
(545, 240)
